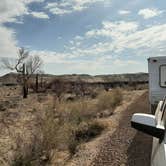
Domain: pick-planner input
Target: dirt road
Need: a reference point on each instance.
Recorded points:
(126, 146)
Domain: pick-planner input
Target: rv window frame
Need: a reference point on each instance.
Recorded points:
(160, 76)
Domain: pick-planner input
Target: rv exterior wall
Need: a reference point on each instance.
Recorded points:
(156, 90)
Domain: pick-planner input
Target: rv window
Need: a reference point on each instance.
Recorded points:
(163, 75)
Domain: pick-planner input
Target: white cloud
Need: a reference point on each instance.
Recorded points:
(30, 1)
(120, 62)
(113, 29)
(11, 9)
(66, 7)
(7, 42)
(149, 13)
(99, 65)
(41, 15)
(57, 11)
(124, 12)
(52, 56)
(147, 42)
(122, 36)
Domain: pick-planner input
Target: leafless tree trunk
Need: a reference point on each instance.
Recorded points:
(37, 82)
(25, 66)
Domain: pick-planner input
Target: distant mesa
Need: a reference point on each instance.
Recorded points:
(11, 78)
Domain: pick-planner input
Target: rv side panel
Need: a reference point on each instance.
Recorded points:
(157, 80)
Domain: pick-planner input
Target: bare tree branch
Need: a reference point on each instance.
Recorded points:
(6, 64)
(33, 65)
(22, 56)
(25, 65)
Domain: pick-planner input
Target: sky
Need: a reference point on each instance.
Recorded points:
(84, 36)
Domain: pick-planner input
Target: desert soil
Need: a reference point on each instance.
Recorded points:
(120, 145)
(127, 146)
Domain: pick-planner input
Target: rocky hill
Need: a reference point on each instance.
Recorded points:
(11, 78)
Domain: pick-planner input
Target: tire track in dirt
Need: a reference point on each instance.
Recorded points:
(126, 146)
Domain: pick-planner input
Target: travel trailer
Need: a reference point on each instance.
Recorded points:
(155, 125)
(157, 81)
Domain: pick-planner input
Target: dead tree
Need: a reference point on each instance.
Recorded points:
(33, 67)
(58, 86)
(25, 65)
(37, 83)
(41, 84)
(39, 80)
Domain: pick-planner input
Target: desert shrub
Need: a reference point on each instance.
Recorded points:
(22, 161)
(141, 86)
(72, 146)
(67, 124)
(136, 87)
(67, 139)
(32, 86)
(73, 126)
(28, 155)
(86, 131)
(2, 107)
(77, 111)
(28, 160)
(109, 100)
(42, 87)
(49, 130)
(58, 136)
(83, 133)
(58, 86)
(116, 97)
(70, 123)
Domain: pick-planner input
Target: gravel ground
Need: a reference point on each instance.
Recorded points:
(126, 146)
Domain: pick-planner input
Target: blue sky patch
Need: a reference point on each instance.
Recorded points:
(91, 36)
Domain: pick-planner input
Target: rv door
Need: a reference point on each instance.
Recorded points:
(163, 76)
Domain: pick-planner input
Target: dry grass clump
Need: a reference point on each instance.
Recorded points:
(77, 111)
(136, 87)
(50, 127)
(73, 126)
(72, 123)
(68, 136)
(109, 100)
(2, 107)
(28, 155)
(84, 132)
(66, 125)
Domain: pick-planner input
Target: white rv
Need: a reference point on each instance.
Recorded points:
(155, 125)
(157, 80)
